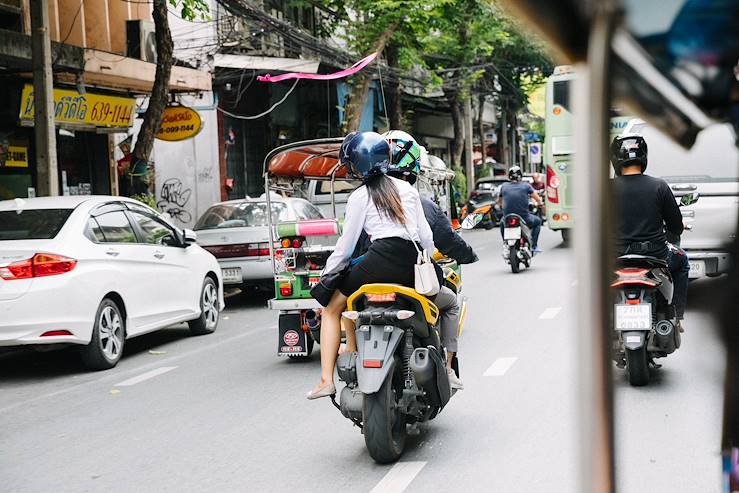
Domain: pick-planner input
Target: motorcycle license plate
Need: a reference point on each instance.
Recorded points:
(512, 233)
(634, 317)
(697, 269)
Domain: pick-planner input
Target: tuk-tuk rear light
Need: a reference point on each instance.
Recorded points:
(565, 217)
(553, 182)
(297, 243)
(556, 217)
(286, 243)
(286, 289)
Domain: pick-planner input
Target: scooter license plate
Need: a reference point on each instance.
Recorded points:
(512, 233)
(633, 317)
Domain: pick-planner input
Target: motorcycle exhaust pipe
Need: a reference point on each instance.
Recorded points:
(350, 403)
(422, 366)
(312, 320)
(665, 336)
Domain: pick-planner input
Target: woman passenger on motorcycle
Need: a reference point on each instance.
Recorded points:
(390, 212)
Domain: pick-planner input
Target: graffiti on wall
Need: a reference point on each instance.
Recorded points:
(173, 197)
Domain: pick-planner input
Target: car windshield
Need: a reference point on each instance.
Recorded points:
(713, 158)
(241, 215)
(32, 224)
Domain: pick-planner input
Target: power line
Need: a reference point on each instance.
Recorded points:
(260, 115)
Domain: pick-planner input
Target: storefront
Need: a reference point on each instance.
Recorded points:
(85, 122)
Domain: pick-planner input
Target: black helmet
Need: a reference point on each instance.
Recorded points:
(627, 150)
(365, 154)
(515, 173)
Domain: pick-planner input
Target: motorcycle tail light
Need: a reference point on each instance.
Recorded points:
(512, 222)
(381, 298)
(372, 363)
(632, 272)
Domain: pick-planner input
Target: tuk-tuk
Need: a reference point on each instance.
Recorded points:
(299, 249)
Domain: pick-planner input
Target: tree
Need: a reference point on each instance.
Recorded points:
(189, 10)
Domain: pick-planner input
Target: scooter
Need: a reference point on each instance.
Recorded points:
(644, 322)
(516, 242)
(397, 379)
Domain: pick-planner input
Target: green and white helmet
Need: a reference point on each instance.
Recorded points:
(405, 153)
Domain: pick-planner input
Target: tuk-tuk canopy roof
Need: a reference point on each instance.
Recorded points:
(310, 160)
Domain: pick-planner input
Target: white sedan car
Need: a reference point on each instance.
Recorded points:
(96, 270)
(236, 233)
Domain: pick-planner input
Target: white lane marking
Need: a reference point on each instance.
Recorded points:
(169, 359)
(399, 477)
(499, 367)
(145, 376)
(550, 313)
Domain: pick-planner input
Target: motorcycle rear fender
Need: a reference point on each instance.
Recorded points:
(376, 342)
(634, 339)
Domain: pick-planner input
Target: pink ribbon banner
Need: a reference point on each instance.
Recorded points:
(336, 75)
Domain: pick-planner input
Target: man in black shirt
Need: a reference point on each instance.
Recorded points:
(646, 208)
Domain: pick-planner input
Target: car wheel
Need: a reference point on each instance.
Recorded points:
(207, 322)
(108, 338)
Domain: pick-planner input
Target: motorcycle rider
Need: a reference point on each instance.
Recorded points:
(406, 165)
(514, 199)
(390, 212)
(646, 208)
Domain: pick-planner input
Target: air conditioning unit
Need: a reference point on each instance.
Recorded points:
(140, 41)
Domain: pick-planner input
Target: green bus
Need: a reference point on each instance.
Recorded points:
(559, 147)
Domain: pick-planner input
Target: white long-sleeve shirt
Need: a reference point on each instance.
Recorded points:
(361, 213)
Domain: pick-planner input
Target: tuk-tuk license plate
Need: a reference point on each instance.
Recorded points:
(634, 317)
(512, 233)
(231, 275)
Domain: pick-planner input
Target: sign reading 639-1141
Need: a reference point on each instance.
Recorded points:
(179, 123)
(89, 109)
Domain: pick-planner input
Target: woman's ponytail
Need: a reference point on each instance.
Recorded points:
(385, 196)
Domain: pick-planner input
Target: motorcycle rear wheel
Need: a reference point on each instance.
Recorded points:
(637, 366)
(384, 425)
(513, 259)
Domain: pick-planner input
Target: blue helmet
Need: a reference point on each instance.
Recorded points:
(365, 154)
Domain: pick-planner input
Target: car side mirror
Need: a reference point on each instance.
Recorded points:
(190, 237)
(689, 199)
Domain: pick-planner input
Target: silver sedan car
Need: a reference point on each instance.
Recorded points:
(236, 233)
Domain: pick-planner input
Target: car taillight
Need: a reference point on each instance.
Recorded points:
(553, 183)
(473, 195)
(381, 298)
(56, 333)
(512, 222)
(40, 265)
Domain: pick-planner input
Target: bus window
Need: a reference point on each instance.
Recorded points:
(561, 94)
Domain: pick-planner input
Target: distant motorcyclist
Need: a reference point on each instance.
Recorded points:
(406, 165)
(646, 208)
(514, 199)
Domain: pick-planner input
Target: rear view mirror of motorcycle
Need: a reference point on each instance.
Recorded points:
(471, 221)
(689, 199)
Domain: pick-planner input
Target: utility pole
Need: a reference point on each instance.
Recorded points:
(47, 179)
(469, 166)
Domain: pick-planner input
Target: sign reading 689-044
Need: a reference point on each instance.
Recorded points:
(179, 123)
(89, 109)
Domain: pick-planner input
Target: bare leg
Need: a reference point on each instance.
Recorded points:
(449, 359)
(351, 336)
(330, 337)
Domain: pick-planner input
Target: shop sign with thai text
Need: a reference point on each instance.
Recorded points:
(71, 107)
(179, 123)
(13, 156)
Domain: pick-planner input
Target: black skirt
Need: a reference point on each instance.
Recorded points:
(388, 260)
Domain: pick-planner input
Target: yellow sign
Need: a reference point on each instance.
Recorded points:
(179, 123)
(83, 109)
(16, 157)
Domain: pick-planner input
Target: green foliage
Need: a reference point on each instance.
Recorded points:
(147, 199)
(460, 183)
(191, 10)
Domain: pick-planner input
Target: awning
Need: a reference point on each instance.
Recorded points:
(266, 63)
